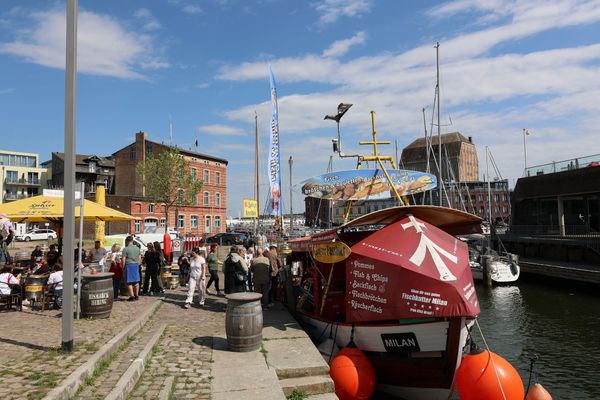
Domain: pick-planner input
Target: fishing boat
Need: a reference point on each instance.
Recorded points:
(395, 282)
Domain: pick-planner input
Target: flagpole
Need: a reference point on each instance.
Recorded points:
(525, 133)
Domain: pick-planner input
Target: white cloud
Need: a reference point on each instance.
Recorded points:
(221, 130)
(551, 92)
(192, 9)
(146, 17)
(341, 47)
(330, 10)
(105, 47)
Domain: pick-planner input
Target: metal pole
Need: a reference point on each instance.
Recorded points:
(80, 249)
(437, 86)
(256, 171)
(69, 174)
(525, 147)
(291, 207)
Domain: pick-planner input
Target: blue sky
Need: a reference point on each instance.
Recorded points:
(505, 66)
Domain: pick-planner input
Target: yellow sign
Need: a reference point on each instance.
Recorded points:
(329, 253)
(250, 208)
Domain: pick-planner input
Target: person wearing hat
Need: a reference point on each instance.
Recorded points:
(236, 270)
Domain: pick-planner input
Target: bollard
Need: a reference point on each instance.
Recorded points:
(487, 277)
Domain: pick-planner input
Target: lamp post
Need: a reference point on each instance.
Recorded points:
(337, 144)
(525, 133)
(291, 207)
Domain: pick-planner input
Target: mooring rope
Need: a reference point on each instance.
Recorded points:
(491, 358)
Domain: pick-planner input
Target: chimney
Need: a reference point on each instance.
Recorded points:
(470, 139)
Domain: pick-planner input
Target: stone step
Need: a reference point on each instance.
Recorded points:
(116, 377)
(308, 384)
(323, 396)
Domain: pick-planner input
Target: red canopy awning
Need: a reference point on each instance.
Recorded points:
(409, 269)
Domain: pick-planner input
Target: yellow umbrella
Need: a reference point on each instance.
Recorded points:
(50, 209)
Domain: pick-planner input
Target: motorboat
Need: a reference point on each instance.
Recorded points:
(503, 268)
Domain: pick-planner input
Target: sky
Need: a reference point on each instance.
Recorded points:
(505, 66)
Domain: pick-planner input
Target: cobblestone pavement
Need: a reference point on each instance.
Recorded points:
(31, 362)
(183, 355)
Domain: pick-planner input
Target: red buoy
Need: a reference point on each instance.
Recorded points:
(352, 374)
(537, 392)
(476, 379)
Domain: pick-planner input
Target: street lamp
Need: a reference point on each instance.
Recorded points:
(525, 133)
(337, 144)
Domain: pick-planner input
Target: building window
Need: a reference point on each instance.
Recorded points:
(206, 198)
(194, 200)
(217, 223)
(180, 221)
(207, 225)
(206, 162)
(217, 199)
(149, 223)
(194, 174)
(132, 153)
(206, 176)
(149, 149)
(163, 222)
(217, 178)
(12, 177)
(194, 221)
(138, 226)
(92, 166)
(151, 208)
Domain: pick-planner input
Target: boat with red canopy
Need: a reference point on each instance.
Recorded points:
(397, 282)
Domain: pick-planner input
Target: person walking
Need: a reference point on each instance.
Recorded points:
(261, 272)
(213, 268)
(248, 258)
(114, 259)
(152, 262)
(236, 271)
(132, 257)
(197, 278)
(275, 266)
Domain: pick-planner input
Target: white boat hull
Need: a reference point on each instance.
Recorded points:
(431, 339)
(500, 271)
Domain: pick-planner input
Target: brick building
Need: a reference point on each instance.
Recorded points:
(205, 218)
(460, 153)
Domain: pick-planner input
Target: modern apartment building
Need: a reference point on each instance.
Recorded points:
(21, 175)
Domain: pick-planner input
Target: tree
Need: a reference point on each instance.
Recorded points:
(168, 179)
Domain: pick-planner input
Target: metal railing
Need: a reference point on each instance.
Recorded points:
(565, 165)
(21, 181)
(17, 196)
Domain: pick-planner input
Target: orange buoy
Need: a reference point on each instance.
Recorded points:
(537, 392)
(352, 374)
(476, 379)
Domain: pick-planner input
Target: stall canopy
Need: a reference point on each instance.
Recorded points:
(409, 269)
(50, 209)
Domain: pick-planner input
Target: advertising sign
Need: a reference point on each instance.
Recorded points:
(250, 208)
(366, 184)
(329, 253)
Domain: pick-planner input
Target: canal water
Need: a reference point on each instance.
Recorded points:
(559, 324)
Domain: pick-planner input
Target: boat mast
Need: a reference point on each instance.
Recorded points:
(257, 193)
(489, 195)
(437, 89)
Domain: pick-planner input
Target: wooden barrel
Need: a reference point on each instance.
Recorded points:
(34, 284)
(244, 321)
(96, 295)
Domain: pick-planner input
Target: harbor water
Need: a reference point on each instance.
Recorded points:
(558, 323)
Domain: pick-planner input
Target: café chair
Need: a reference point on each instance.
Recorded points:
(11, 299)
(48, 298)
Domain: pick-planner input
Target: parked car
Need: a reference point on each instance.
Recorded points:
(37, 234)
(228, 238)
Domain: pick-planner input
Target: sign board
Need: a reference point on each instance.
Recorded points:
(176, 245)
(330, 252)
(250, 208)
(366, 184)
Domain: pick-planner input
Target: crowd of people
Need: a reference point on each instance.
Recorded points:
(243, 270)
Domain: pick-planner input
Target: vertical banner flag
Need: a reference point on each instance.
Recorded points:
(274, 176)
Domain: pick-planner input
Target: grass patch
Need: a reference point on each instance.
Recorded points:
(263, 351)
(35, 396)
(297, 395)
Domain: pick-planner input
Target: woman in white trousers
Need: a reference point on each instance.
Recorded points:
(197, 278)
